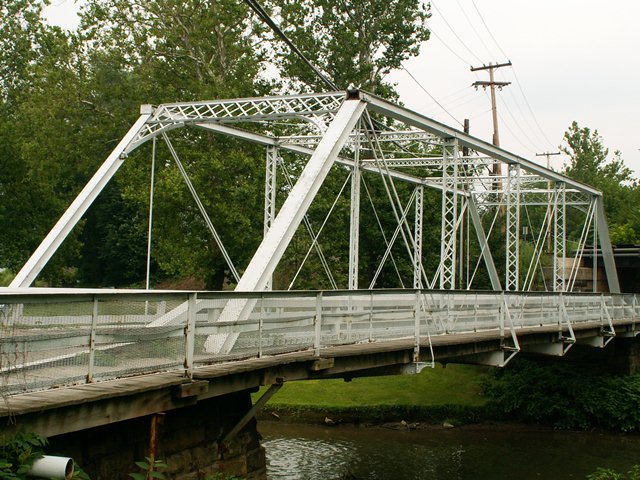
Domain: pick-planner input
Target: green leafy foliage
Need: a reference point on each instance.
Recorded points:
(18, 453)
(356, 43)
(566, 396)
(591, 163)
(609, 474)
(151, 468)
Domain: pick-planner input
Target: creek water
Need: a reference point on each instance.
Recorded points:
(308, 452)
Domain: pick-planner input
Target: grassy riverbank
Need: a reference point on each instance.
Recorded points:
(453, 394)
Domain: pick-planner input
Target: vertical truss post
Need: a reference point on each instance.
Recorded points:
(449, 214)
(417, 246)
(270, 185)
(606, 248)
(354, 226)
(512, 194)
(559, 238)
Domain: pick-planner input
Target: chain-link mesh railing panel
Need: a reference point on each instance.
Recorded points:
(266, 325)
(279, 324)
(138, 335)
(55, 340)
(43, 344)
(584, 308)
(392, 315)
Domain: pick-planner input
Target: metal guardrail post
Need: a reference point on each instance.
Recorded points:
(318, 324)
(604, 312)
(260, 325)
(92, 340)
(634, 313)
(370, 316)
(190, 335)
(501, 314)
(416, 328)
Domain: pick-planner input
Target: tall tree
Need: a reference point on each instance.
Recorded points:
(33, 57)
(356, 42)
(590, 163)
(169, 51)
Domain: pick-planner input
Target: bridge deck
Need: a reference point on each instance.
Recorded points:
(83, 406)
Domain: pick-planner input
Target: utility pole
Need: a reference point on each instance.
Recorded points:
(548, 155)
(492, 84)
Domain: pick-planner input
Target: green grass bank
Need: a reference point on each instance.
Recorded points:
(452, 394)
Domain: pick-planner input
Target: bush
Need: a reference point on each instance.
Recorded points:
(608, 474)
(565, 396)
(18, 453)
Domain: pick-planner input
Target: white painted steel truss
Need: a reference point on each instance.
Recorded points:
(527, 203)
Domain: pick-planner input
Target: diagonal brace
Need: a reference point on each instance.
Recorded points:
(262, 401)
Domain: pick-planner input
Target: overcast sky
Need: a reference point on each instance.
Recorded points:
(572, 60)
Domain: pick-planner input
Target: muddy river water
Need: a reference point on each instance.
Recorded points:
(346, 452)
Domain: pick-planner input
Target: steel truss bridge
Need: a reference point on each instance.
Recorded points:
(58, 337)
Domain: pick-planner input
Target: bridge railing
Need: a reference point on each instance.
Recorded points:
(50, 339)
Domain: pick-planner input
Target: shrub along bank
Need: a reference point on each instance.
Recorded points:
(564, 395)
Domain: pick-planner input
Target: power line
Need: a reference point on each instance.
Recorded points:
(454, 33)
(430, 96)
(257, 8)
(526, 136)
(515, 136)
(474, 29)
(527, 118)
(489, 30)
(465, 61)
(514, 73)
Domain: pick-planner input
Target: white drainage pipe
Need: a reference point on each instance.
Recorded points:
(49, 466)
